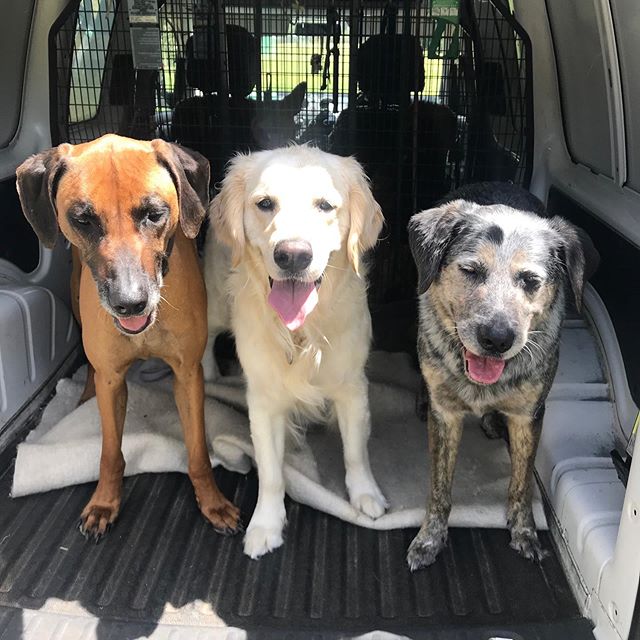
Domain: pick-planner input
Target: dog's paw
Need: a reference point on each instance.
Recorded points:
(425, 547)
(264, 533)
(260, 540)
(223, 516)
(526, 542)
(372, 505)
(365, 495)
(95, 521)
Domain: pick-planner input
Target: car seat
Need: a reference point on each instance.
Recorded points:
(204, 122)
(404, 144)
(405, 130)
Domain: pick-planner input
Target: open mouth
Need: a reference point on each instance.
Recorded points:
(133, 325)
(482, 369)
(293, 300)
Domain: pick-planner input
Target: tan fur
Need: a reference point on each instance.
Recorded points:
(113, 175)
(296, 373)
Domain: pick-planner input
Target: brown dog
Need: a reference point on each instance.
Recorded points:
(131, 210)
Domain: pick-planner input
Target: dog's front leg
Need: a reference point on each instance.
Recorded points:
(524, 434)
(102, 510)
(354, 421)
(189, 393)
(445, 431)
(268, 431)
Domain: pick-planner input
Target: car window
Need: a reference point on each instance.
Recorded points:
(14, 35)
(583, 83)
(93, 29)
(626, 18)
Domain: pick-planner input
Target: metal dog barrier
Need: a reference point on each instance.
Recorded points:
(427, 94)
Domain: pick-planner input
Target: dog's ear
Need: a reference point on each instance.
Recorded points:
(190, 173)
(37, 180)
(227, 209)
(431, 234)
(366, 217)
(591, 254)
(577, 254)
(293, 101)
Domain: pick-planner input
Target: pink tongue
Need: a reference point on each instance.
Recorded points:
(293, 301)
(484, 370)
(134, 323)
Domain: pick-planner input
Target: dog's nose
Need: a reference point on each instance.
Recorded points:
(293, 255)
(496, 337)
(128, 305)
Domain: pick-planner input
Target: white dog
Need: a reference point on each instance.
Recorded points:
(295, 222)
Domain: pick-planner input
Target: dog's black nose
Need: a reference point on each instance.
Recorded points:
(125, 305)
(496, 337)
(293, 255)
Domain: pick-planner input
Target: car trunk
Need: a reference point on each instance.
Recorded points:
(428, 96)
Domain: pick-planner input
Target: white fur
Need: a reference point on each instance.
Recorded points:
(292, 375)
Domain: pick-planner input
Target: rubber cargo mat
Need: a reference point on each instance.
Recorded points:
(162, 572)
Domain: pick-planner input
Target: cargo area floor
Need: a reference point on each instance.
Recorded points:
(162, 572)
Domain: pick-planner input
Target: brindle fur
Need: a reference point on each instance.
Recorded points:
(450, 306)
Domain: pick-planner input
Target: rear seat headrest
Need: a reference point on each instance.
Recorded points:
(390, 67)
(243, 58)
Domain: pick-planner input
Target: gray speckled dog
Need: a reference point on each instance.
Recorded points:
(493, 277)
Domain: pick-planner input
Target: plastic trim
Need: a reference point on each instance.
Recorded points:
(625, 408)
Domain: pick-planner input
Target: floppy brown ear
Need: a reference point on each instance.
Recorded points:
(190, 173)
(36, 181)
(431, 234)
(227, 209)
(575, 248)
(366, 217)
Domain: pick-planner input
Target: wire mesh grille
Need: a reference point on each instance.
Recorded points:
(427, 94)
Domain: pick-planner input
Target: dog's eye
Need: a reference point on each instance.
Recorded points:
(473, 271)
(83, 219)
(151, 212)
(154, 216)
(323, 205)
(530, 281)
(266, 204)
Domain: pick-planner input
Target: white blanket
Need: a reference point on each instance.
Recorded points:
(65, 449)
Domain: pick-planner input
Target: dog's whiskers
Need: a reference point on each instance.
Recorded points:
(333, 266)
(533, 343)
(528, 351)
(326, 340)
(172, 306)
